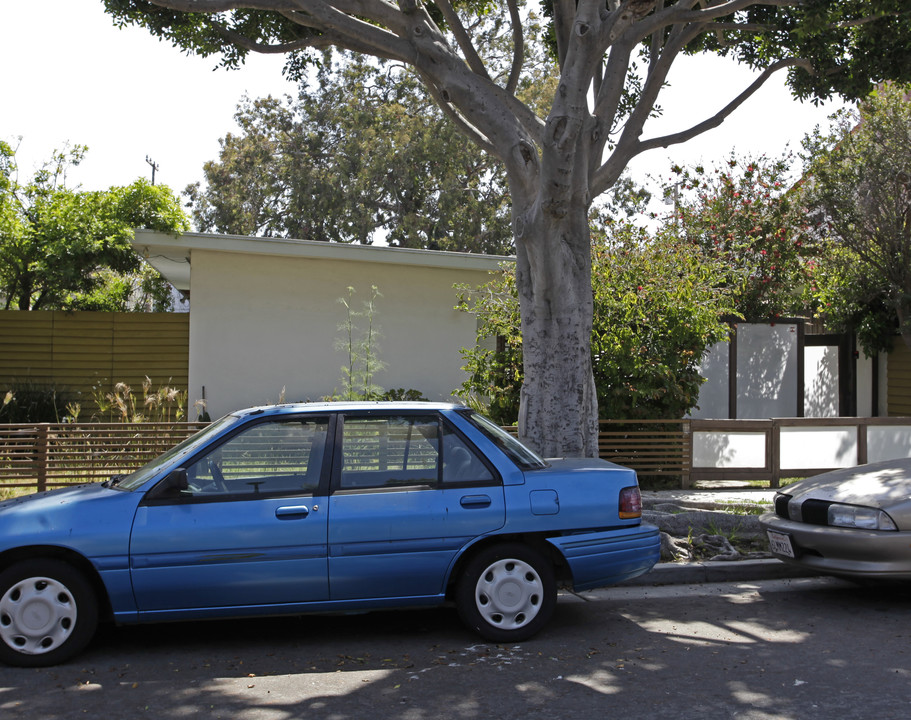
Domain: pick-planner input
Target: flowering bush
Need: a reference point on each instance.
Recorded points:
(747, 214)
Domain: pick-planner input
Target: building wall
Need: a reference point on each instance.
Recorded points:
(260, 324)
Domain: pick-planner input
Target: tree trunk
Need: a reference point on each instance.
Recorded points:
(558, 413)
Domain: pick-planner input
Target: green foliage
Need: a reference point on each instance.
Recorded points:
(859, 185)
(63, 249)
(399, 394)
(658, 305)
(747, 215)
(206, 35)
(494, 375)
(360, 342)
(847, 43)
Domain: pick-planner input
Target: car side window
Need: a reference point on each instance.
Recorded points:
(461, 464)
(278, 457)
(389, 452)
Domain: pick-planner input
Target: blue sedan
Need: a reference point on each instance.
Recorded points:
(328, 507)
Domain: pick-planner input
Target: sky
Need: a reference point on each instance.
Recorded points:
(70, 76)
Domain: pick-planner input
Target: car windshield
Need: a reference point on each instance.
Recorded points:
(516, 451)
(188, 446)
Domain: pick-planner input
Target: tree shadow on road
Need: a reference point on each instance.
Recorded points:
(705, 654)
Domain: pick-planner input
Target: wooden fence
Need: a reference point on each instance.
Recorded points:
(770, 450)
(74, 352)
(43, 456)
(653, 448)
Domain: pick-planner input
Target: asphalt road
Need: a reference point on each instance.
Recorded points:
(799, 648)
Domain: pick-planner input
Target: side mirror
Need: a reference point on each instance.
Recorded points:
(171, 486)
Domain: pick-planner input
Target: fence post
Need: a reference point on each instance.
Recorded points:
(41, 455)
(863, 432)
(687, 455)
(775, 454)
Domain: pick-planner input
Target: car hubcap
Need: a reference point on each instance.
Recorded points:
(509, 594)
(37, 615)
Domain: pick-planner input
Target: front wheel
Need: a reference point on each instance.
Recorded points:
(507, 592)
(48, 613)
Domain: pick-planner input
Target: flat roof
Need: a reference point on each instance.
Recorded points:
(172, 255)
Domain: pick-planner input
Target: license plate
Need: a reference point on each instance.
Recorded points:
(780, 543)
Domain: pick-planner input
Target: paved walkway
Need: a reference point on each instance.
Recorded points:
(706, 498)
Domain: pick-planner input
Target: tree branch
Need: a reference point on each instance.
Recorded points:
(726, 111)
(341, 21)
(376, 41)
(470, 130)
(247, 44)
(564, 14)
(518, 47)
(606, 172)
(464, 41)
(215, 6)
(627, 145)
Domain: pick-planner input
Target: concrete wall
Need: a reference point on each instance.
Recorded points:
(260, 323)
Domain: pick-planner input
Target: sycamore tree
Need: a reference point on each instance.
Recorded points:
(859, 184)
(69, 249)
(613, 59)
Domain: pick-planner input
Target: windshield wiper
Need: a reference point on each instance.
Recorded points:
(114, 479)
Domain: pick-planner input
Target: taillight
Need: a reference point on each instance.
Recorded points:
(630, 503)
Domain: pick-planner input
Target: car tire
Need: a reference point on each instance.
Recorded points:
(48, 613)
(507, 592)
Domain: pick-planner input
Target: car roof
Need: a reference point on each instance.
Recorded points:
(345, 406)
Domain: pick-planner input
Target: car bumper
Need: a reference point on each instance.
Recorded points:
(598, 559)
(844, 551)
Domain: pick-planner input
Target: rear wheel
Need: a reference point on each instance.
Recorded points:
(48, 613)
(507, 592)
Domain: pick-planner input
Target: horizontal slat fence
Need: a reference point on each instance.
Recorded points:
(44, 456)
(653, 448)
(899, 385)
(77, 351)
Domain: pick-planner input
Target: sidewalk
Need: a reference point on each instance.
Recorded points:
(708, 498)
(715, 571)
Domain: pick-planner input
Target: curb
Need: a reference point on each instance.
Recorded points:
(718, 571)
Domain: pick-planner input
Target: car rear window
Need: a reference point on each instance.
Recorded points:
(522, 456)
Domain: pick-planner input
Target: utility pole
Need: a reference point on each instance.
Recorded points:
(154, 167)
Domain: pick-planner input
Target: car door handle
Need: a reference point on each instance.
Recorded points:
(289, 511)
(475, 501)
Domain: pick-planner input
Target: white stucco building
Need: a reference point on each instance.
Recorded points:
(265, 314)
